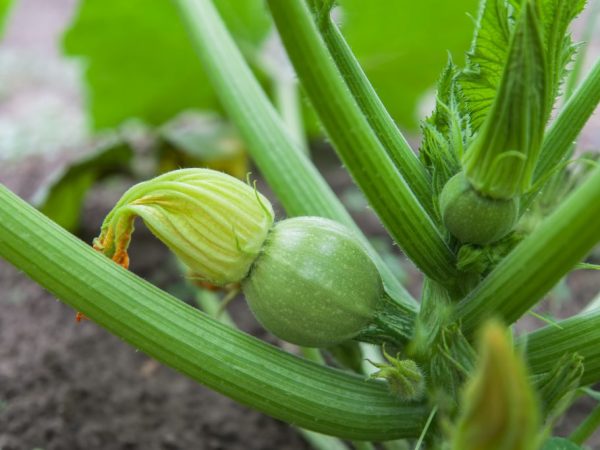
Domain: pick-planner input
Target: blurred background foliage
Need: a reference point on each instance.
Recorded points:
(4, 8)
(140, 63)
(144, 87)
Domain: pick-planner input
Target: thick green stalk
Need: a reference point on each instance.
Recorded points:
(287, 169)
(579, 334)
(358, 146)
(381, 122)
(539, 261)
(569, 123)
(233, 363)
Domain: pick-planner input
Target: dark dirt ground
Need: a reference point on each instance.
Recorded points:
(65, 385)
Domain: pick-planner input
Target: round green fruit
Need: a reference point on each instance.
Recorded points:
(313, 284)
(474, 218)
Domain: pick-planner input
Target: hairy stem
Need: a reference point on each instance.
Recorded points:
(381, 122)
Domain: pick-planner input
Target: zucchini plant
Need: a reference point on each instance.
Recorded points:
(465, 211)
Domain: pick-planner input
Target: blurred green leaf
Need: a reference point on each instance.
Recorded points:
(140, 62)
(403, 45)
(558, 443)
(194, 139)
(5, 6)
(62, 198)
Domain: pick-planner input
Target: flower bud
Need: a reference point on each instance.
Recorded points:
(500, 410)
(214, 223)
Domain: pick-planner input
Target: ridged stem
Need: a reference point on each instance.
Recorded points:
(579, 334)
(231, 362)
(359, 148)
(381, 122)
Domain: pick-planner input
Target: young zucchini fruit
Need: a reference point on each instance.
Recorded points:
(473, 217)
(308, 280)
(313, 283)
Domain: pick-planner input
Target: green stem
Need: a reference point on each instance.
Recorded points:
(287, 169)
(539, 261)
(389, 324)
(210, 304)
(569, 123)
(587, 427)
(287, 100)
(378, 117)
(358, 146)
(226, 360)
(579, 334)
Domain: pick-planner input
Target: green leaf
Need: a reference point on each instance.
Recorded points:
(489, 50)
(140, 61)
(403, 58)
(485, 60)
(62, 198)
(202, 140)
(558, 443)
(556, 18)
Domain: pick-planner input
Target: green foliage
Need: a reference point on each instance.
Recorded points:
(485, 60)
(557, 15)
(140, 62)
(489, 50)
(404, 57)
